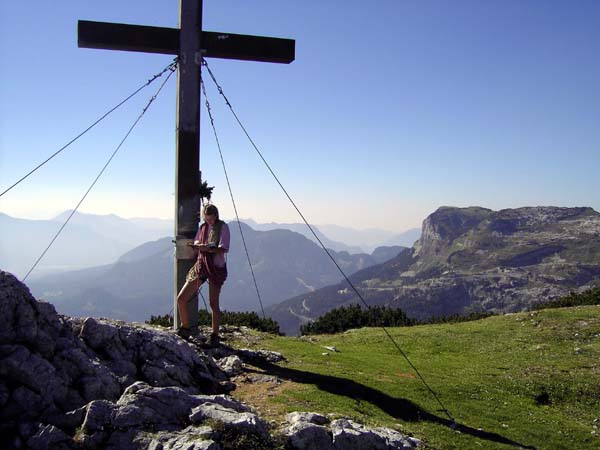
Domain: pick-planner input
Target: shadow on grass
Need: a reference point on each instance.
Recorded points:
(399, 408)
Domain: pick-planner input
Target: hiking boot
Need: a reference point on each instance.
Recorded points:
(214, 340)
(184, 333)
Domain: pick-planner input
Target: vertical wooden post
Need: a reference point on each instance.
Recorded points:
(187, 163)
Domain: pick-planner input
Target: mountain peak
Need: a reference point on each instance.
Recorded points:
(447, 223)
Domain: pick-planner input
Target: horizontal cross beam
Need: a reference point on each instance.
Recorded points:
(141, 38)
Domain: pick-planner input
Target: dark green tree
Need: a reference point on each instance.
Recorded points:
(588, 297)
(353, 316)
(206, 190)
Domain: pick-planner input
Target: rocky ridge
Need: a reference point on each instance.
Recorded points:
(472, 260)
(70, 383)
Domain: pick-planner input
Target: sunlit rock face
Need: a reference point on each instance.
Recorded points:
(471, 260)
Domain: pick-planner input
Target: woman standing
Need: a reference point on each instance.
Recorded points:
(212, 243)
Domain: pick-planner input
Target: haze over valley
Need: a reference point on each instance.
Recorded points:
(466, 260)
(95, 271)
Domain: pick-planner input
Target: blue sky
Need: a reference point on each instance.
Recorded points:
(391, 109)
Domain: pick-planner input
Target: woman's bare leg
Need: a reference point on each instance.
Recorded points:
(187, 292)
(213, 293)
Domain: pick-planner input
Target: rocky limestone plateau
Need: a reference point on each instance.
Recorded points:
(472, 260)
(68, 383)
(479, 260)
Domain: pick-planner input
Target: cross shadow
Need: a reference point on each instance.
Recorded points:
(398, 408)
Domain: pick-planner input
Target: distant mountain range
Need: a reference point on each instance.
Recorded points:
(340, 238)
(469, 260)
(140, 283)
(88, 240)
(91, 240)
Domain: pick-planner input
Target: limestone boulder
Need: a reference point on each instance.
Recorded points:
(309, 431)
(165, 417)
(190, 438)
(309, 417)
(260, 355)
(308, 436)
(158, 357)
(231, 365)
(349, 435)
(244, 422)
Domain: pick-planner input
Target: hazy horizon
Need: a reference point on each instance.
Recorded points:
(54, 215)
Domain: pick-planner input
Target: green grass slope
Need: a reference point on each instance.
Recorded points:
(527, 380)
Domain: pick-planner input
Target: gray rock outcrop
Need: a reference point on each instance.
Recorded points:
(309, 431)
(232, 417)
(349, 435)
(164, 417)
(190, 438)
(54, 369)
(231, 365)
(260, 355)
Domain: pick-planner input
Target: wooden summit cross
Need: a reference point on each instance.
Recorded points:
(190, 43)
